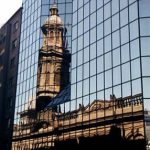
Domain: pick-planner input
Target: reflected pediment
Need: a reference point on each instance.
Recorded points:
(98, 104)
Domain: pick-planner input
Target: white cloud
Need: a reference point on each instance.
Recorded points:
(8, 8)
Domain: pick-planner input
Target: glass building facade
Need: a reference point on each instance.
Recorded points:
(110, 52)
(34, 15)
(110, 77)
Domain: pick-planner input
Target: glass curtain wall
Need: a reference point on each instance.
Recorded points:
(109, 76)
(27, 72)
(27, 121)
(107, 64)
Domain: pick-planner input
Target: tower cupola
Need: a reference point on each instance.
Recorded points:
(54, 18)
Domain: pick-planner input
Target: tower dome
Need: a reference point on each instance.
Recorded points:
(54, 18)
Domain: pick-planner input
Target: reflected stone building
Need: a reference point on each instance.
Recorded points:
(53, 128)
(54, 59)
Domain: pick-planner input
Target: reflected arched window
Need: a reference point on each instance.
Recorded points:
(51, 35)
(57, 34)
(57, 77)
(39, 74)
(57, 37)
(47, 77)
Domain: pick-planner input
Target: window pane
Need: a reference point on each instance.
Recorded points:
(86, 10)
(135, 68)
(107, 93)
(80, 57)
(80, 14)
(115, 22)
(145, 66)
(93, 51)
(147, 106)
(125, 53)
(80, 28)
(134, 46)
(100, 81)
(115, 6)
(108, 62)
(144, 8)
(136, 86)
(107, 11)
(79, 89)
(107, 27)
(86, 70)
(92, 67)
(92, 6)
(107, 43)
(146, 83)
(86, 24)
(73, 91)
(86, 87)
(86, 39)
(80, 42)
(124, 35)
(125, 72)
(123, 4)
(73, 76)
(126, 89)
(93, 84)
(116, 57)
(116, 76)
(100, 47)
(99, 15)
(99, 4)
(145, 27)
(93, 35)
(74, 61)
(79, 73)
(100, 95)
(75, 2)
(145, 46)
(108, 78)
(93, 20)
(133, 9)
(86, 54)
(117, 91)
(74, 18)
(134, 30)
(74, 32)
(115, 39)
(100, 31)
(124, 17)
(100, 64)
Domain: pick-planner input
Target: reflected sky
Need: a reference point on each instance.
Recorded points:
(106, 50)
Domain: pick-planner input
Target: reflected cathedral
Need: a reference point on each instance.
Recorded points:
(54, 59)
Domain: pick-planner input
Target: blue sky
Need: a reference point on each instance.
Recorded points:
(7, 9)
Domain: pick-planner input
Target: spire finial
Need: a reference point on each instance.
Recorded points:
(54, 9)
